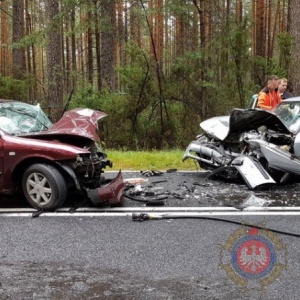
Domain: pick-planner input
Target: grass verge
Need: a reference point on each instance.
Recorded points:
(150, 160)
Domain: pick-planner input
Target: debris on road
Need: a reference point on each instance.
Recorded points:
(187, 189)
(135, 180)
(149, 173)
(254, 201)
(194, 189)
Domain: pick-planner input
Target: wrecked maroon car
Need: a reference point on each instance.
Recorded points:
(46, 161)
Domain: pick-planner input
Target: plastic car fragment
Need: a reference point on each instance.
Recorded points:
(110, 194)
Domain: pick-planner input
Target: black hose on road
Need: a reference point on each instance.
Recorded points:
(145, 217)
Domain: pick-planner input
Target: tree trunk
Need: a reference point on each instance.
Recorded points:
(5, 57)
(159, 31)
(54, 61)
(260, 28)
(108, 44)
(73, 47)
(294, 25)
(90, 66)
(97, 46)
(18, 52)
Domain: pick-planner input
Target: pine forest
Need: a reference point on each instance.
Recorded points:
(156, 67)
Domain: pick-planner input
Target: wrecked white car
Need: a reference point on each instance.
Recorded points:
(262, 147)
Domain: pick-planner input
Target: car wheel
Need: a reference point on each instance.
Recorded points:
(44, 186)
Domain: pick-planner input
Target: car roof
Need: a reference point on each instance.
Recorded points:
(9, 100)
(293, 99)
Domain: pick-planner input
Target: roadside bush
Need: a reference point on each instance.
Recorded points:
(16, 89)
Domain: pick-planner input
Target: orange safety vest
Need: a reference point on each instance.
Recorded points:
(268, 99)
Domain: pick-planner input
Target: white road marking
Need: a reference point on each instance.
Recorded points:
(160, 211)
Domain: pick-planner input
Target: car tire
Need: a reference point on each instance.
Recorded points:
(44, 187)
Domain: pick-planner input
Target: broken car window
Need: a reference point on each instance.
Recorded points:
(289, 114)
(18, 117)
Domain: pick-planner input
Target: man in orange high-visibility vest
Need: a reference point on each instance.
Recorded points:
(269, 97)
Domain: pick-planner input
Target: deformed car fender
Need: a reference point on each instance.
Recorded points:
(252, 172)
(111, 194)
(71, 173)
(280, 159)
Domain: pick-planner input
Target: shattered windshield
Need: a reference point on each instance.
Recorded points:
(19, 117)
(289, 114)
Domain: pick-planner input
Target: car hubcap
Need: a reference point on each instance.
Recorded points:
(39, 189)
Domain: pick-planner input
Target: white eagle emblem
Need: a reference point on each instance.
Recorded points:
(250, 257)
(253, 260)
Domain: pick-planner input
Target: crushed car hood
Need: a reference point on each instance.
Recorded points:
(241, 120)
(80, 123)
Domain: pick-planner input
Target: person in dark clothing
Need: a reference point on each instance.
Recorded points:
(282, 89)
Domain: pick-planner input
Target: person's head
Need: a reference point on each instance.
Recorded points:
(282, 85)
(272, 82)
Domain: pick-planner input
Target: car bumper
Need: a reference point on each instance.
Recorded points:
(110, 194)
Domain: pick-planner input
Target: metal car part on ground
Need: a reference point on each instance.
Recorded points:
(260, 146)
(46, 161)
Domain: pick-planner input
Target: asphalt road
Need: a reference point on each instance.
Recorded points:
(109, 256)
(116, 258)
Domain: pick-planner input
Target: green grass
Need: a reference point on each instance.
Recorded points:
(150, 160)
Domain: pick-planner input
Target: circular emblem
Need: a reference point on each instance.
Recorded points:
(253, 258)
